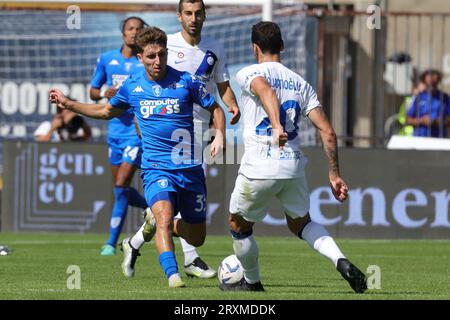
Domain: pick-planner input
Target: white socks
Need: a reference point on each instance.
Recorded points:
(190, 252)
(316, 235)
(247, 252)
(319, 239)
(137, 241)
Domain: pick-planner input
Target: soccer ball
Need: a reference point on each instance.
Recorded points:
(230, 270)
(4, 250)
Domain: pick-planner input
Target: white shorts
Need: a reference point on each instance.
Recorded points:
(251, 197)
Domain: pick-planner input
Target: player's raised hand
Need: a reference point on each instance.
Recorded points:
(236, 114)
(57, 97)
(339, 188)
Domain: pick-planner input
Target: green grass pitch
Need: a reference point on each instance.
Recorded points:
(289, 269)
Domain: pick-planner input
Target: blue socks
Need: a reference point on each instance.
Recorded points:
(136, 200)
(122, 198)
(119, 213)
(168, 263)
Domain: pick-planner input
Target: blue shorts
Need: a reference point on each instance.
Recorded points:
(185, 189)
(127, 150)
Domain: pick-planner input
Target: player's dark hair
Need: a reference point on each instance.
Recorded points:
(424, 74)
(180, 4)
(150, 35)
(123, 23)
(267, 36)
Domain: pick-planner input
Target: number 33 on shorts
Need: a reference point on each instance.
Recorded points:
(201, 202)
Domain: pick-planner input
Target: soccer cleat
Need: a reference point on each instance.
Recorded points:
(129, 258)
(108, 250)
(198, 268)
(242, 285)
(352, 274)
(150, 225)
(175, 281)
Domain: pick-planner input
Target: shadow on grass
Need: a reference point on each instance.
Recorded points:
(294, 286)
(392, 293)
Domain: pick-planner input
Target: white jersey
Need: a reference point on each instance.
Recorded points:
(261, 159)
(205, 60)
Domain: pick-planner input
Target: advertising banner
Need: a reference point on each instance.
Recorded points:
(392, 194)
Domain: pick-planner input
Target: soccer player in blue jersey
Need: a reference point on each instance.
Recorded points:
(204, 57)
(113, 68)
(162, 99)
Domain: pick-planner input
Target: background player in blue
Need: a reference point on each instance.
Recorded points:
(429, 111)
(162, 100)
(113, 68)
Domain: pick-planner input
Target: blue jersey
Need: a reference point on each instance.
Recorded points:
(113, 69)
(163, 110)
(437, 106)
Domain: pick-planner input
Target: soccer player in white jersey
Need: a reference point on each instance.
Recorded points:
(203, 57)
(273, 100)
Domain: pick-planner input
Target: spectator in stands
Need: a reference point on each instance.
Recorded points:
(418, 86)
(65, 126)
(429, 111)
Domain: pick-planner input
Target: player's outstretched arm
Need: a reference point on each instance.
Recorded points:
(95, 111)
(271, 105)
(218, 117)
(329, 140)
(228, 97)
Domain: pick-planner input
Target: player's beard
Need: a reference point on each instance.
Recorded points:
(196, 33)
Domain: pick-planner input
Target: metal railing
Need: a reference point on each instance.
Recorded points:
(364, 74)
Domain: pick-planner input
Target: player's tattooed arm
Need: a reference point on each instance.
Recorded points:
(333, 161)
(95, 111)
(329, 140)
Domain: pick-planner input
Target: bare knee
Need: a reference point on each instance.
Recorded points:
(164, 221)
(194, 234)
(197, 241)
